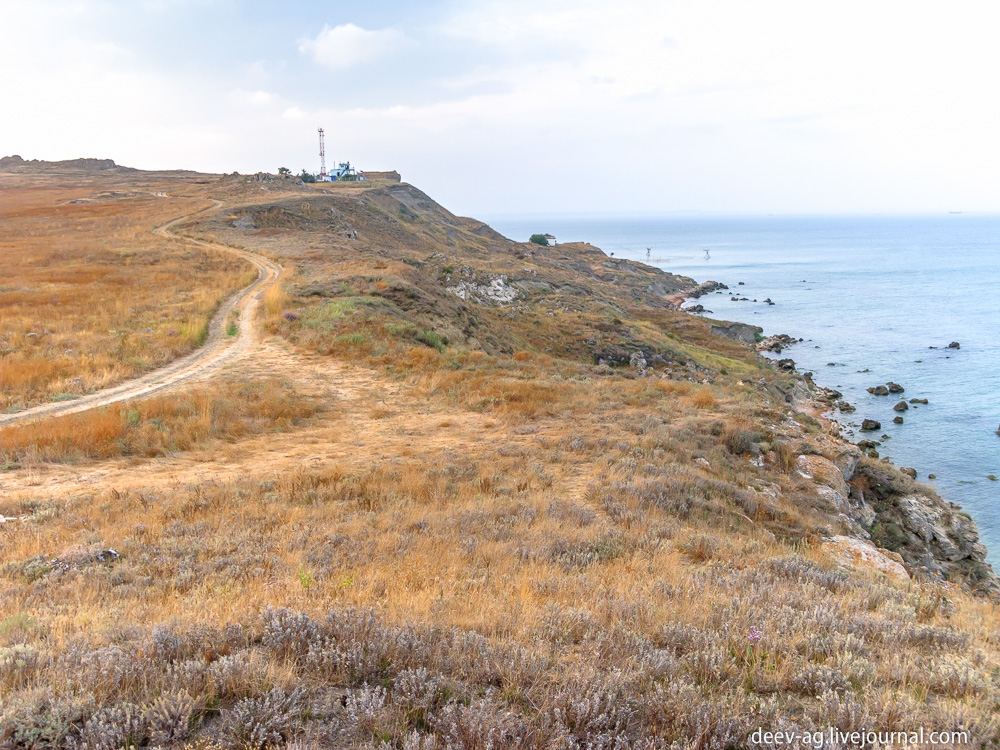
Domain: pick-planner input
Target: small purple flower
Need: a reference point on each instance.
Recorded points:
(754, 634)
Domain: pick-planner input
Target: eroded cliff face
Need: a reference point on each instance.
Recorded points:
(879, 504)
(932, 535)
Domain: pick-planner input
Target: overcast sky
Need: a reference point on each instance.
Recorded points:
(535, 106)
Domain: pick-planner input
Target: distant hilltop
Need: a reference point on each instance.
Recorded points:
(391, 176)
(17, 164)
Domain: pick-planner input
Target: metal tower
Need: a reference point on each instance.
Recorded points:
(322, 156)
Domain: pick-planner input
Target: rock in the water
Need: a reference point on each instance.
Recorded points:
(901, 406)
(845, 407)
(897, 420)
(870, 425)
(895, 387)
(954, 345)
(932, 476)
(879, 390)
(918, 400)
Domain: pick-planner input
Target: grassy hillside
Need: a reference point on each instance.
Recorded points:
(507, 496)
(89, 296)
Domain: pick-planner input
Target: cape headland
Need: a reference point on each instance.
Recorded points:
(451, 489)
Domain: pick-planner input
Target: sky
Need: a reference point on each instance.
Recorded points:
(533, 106)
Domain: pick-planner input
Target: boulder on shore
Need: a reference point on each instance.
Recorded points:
(775, 343)
(870, 425)
(786, 365)
(827, 396)
(738, 332)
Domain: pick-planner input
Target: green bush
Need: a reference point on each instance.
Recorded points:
(431, 338)
(539, 239)
(888, 535)
(740, 442)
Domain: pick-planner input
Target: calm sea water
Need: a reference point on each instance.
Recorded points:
(866, 293)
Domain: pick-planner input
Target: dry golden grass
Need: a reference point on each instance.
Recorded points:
(276, 298)
(513, 549)
(90, 297)
(155, 426)
(586, 558)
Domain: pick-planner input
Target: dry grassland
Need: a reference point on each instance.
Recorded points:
(517, 560)
(89, 297)
(448, 547)
(226, 409)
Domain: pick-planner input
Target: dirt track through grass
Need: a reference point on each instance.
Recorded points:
(218, 349)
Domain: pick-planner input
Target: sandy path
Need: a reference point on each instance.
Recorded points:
(217, 350)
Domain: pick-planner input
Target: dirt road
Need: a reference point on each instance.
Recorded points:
(217, 350)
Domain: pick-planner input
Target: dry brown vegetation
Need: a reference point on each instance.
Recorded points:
(156, 426)
(578, 578)
(492, 541)
(90, 297)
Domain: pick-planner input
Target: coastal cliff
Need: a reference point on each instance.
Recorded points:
(473, 287)
(463, 491)
(905, 519)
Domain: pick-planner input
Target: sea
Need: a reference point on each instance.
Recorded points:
(874, 298)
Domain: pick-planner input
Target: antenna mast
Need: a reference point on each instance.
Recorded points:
(322, 156)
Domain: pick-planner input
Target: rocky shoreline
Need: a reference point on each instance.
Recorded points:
(885, 505)
(891, 517)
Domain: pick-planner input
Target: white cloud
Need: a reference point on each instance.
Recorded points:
(256, 98)
(348, 45)
(776, 105)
